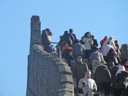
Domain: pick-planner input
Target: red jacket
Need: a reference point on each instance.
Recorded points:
(102, 41)
(66, 47)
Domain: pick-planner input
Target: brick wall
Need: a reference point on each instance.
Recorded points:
(48, 75)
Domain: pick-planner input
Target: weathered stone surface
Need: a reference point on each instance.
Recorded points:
(65, 93)
(124, 51)
(64, 69)
(66, 78)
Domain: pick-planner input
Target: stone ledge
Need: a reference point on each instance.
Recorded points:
(56, 59)
(65, 93)
(68, 85)
(65, 89)
(66, 78)
(58, 63)
(64, 69)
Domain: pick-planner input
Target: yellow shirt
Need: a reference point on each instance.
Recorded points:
(49, 38)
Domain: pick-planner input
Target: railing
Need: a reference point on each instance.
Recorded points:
(54, 42)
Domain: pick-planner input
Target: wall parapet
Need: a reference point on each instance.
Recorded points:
(48, 75)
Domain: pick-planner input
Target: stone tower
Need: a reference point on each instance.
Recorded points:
(35, 37)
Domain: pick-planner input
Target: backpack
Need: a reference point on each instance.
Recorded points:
(122, 82)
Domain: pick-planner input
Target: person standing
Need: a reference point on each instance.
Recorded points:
(87, 40)
(87, 84)
(72, 35)
(102, 77)
(78, 49)
(46, 40)
(79, 71)
(96, 58)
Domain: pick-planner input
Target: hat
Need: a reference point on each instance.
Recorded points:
(47, 29)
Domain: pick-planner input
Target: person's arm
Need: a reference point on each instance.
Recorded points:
(80, 84)
(94, 86)
(113, 44)
(86, 67)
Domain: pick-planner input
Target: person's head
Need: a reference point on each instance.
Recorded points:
(70, 30)
(92, 36)
(106, 37)
(116, 42)
(66, 32)
(87, 35)
(79, 59)
(111, 38)
(88, 74)
(48, 31)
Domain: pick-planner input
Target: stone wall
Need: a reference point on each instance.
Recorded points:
(124, 51)
(48, 75)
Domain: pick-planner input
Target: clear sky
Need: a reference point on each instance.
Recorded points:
(100, 17)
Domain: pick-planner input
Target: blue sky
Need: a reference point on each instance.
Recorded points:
(100, 17)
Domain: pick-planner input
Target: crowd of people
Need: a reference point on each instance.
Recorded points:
(94, 69)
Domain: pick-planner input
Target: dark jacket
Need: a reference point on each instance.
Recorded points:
(102, 74)
(111, 57)
(44, 38)
(80, 69)
(66, 39)
(121, 80)
(95, 43)
(113, 71)
(72, 37)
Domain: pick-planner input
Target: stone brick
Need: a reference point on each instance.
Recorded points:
(66, 78)
(65, 93)
(64, 69)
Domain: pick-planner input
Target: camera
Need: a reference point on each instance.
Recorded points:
(84, 83)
